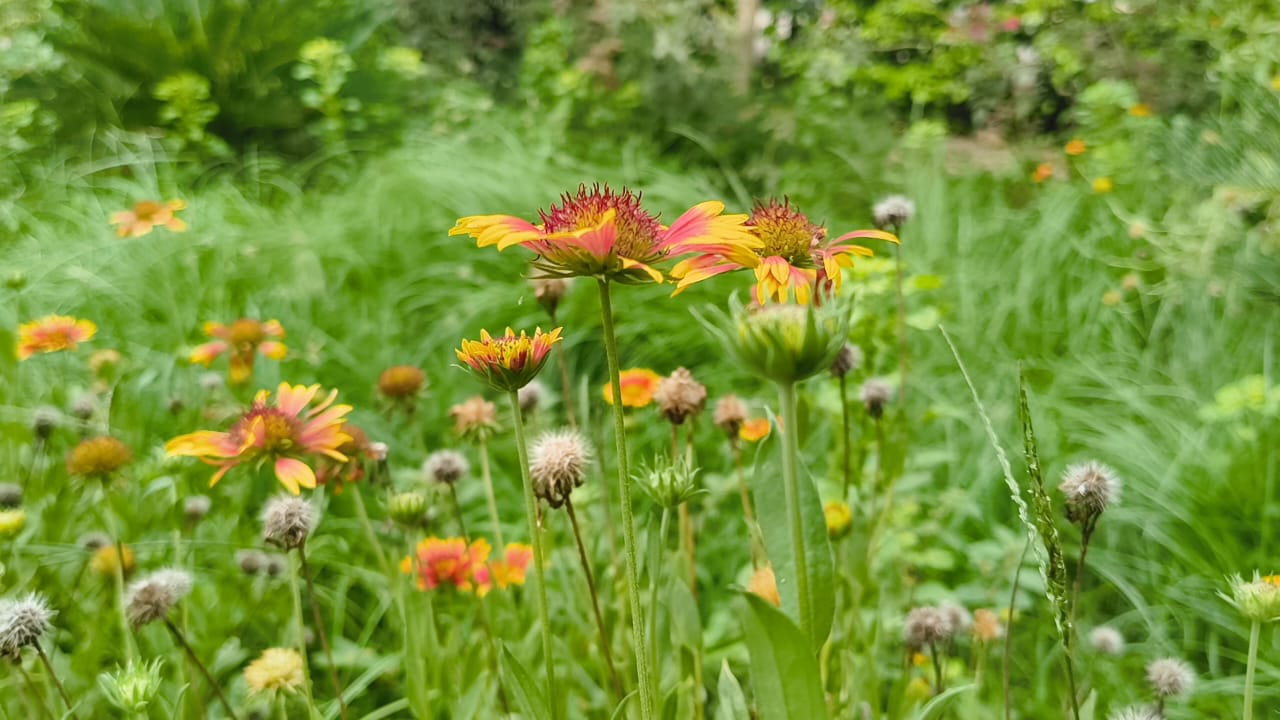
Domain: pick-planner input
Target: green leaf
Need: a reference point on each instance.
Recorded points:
(520, 683)
(686, 625)
(770, 499)
(934, 707)
(620, 712)
(784, 671)
(733, 703)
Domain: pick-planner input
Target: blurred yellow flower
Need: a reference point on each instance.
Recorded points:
(1112, 298)
(1075, 147)
(1140, 110)
(839, 518)
(1275, 83)
(147, 214)
(105, 560)
(12, 521)
(1103, 185)
(275, 669)
(638, 386)
(1043, 172)
(754, 429)
(243, 338)
(52, 333)
(98, 457)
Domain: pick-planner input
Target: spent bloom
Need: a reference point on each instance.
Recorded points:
(926, 626)
(275, 669)
(446, 466)
(98, 457)
(475, 418)
(52, 333)
(602, 233)
(152, 597)
(874, 395)
(679, 396)
(847, 360)
(1106, 640)
(196, 507)
(1257, 599)
(638, 387)
(504, 573)
(530, 396)
(146, 215)
(549, 292)
(448, 561)
(790, 254)
(44, 420)
(401, 382)
(243, 339)
(1136, 712)
(730, 415)
(987, 626)
(557, 464)
(1089, 489)
(893, 212)
(1170, 677)
(285, 434)
(22, 623)
(287, 521)
(10, 495)
(508, 362)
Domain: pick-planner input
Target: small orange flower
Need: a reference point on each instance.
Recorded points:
(1140, 110)
(52, 333)
(401, 382)
(449, 561)
(147, 214)
(1043, 172)
(1103, 185)
(98, 457)
(242, 338)
(754, 429)
(638, 386)
(508, 362)
(1075, 147)
(285, 433)
(504, 573)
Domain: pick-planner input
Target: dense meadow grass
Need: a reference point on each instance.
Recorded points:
(1125, 337)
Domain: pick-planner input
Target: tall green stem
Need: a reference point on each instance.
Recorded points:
(487, 475)
(531, 513)
(1255, 633)
(648, 690)
(300, 626)
(369, 532)
(791, 484)
(113, 527)
(655, 560)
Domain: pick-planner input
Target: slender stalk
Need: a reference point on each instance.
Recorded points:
(902, 325)
(1008, 632)
(937, 669)
(113, 527)
(531, 514)
(487, 476)
(1255, 632)
(37, 454)
(318, 619)
(655, 560)
(1086, 532)
(181, 639)
(605, 649)
(48, 666)
(879, 476)
(457, 513)
(302, 639)
(685, 522)
(1071, 688)
(282, 705)
(747, 512)
(31, 687)
(370, 535)
(791, 484)
(648, 689)
(846, 440)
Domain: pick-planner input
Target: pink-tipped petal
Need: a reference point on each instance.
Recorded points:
(294, 474)
(207, 353)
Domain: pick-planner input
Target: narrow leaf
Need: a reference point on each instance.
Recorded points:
(784, 671)
(528, 695)
(733, 703)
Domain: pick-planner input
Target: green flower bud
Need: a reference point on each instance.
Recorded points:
(784, 343)
(670, 483)
(1258, 599)
(130, 689)
(407, 508)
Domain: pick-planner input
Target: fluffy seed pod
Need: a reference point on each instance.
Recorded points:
(211, 382)
(10, 495)
(557, 464)
(251, 562)
(1106, 640)
(958, 618)
(196, 507)
(893, 212)
(925, 626)
(22, 623)
(680, 397)
(847, 360)
(875, 394)
(151, 598)
(1170, 677)
(1089, 489)
(83, 408)
(446, 466)
(1137, 712)
(44, 421)
(287, 521)
(730, 415)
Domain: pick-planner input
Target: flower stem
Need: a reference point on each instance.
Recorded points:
(1086, 533)
(492, 500)
(31, 689)
(48, 666)
(791, 484)
(845, 439)
(1255, 633)
(531, 513)
(181, 639)
(937, 669)
(113, 527)
(595, 602)
(648, 691)
(747, 512)
(302, 638)
(368, 531)
(655, 560)
(902, 328)
(318, 619)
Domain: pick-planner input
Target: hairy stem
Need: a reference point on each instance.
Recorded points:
(487, 476)
(791, 484)
(656, 546)
(605, 648)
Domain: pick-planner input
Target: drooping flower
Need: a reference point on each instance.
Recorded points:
(504, 573)
(447, 561)
(52, 333)
(98, 457)
(275, 669)
(243, 338)
(754, 430)
(638, 386)
(602, 233)
(508, 362)
(286, 433)
(147, 214)
(792, 255)
(401, 382)
(1074, 147)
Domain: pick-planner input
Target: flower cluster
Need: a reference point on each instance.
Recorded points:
(52, 333)
(466, 566)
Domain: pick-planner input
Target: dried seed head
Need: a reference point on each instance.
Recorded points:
(987, 626)
(893, 212)
(83, 408)
(558, 463)
(251, 562)
(407, 508)
(679, 396)
(531, 396)
(1089, 489)
(196, 507)
(875, 394)
(926, 626)
(446, 466)
(287, 521)
(1106, 640)
(22, 623)
(44, 420)
(764, 584)
(549, 292)
(98, 457)
(475, 418)
(378, 451)
(211, 382)
(1170, 677)
(151, 598)
(730, 414)
(958, 618)
(10, 495)
(847, 360)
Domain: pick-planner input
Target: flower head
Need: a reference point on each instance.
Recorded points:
(638, 386)
(508, 363)
(504, 573)
(1089, 488)
(926, 626)
(1106, 640)
(52, 333)
(764, 584)
(1043, 172)
(603, 233)
(848, 359)
(44, 420)
(447, 562)
(275, 669)
(251, 562)
(839, 519)
(22, 623)
(132, 688)
(407, 508)
(893, 212)
(730, 415)
(1102, 185)
(151, 598)
(557, 464)
(12, 520)
(147, 214)
(475, 418)
(1170, 677)
(285, 433)
(243, 339)
(446, 466)
(790, 254)
(196, 507)
(784, 343)
(679, 396)
(98, 457)
(754, 430)
(287, 521)
(401, 382)
(875, 394)
(549, 291)
(987, 626)
(106, 558)
(1140, 110)
(530, 396)
(1257, 599)
(1075, 147)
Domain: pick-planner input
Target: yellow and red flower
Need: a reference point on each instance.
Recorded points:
(448, 561)
(754, 429)
(599, 232)
(508, 362)
(52, 333)
(504, 573)
(147, 214)
(792, 255)
(1075, 146)
(287, 433)
(358, 451)
(638, 387)
(243, 338)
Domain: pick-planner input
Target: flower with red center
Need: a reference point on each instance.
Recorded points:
(504, 573)
(243, 339)
(793, 255)
(52, 333)
(286, 434)
(448, 561)
(358, 451)
(147, 214)
(602, 233)
(508, 362)
(638, 387)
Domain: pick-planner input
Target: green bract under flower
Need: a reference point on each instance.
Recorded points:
(783, 342)
(1258, 599)
(132, 688)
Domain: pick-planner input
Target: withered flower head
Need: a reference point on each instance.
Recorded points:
(475, 418)
(680, 397)
(557, 464)
(730, 415)
(287, 521)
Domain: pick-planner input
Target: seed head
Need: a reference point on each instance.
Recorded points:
(893, 212)
(730, 414)
(251, 562)
(847, 360)
(764, 584)
(1089, 489)
(531, 396)
(475, 418)
(1170, 677)
(549, 292)
(196, 507)
(83, 408)
(407, 508)
(446, 466)
(10, 495)
(22, 623)
(378, 451)
(401, 382)
(557, 464)
(958, 618)
(1106, 640)
(287, 521)
(875, 394)
(44, 420)
(151, 598)
(926, 626)
(680, 397)
(98, 457)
